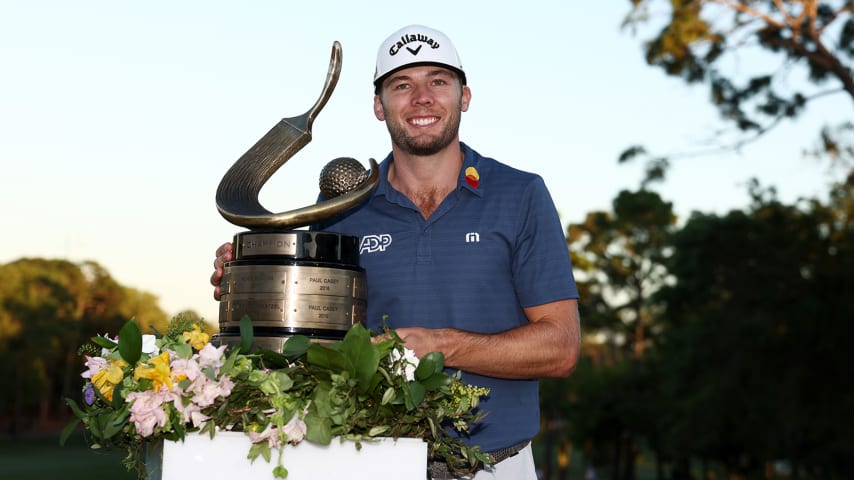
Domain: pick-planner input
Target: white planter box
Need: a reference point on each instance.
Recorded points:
(224, 456)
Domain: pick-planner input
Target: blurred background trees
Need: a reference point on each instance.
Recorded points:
(715, 345)
(744, 320)
(48, 308)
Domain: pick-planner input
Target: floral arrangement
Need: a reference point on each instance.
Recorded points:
(140, 389)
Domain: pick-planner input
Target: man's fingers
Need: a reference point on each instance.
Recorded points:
(223, 249)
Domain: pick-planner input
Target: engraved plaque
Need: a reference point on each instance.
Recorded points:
(265, 244)
(292, 312)
(295, 282)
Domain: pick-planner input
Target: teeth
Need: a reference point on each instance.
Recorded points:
(423, 121)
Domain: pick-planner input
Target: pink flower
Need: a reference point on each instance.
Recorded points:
(270, 434)
(94, 365)
(146, 411)
(186, 368)
(210, 356)
(295, 429)
(225, 386)
(205, 391)
(190, 413)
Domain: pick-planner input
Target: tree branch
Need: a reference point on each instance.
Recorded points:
(737, 145)
(740, 7)
(836, 14)
(820, 56)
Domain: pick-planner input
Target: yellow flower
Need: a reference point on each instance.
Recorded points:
(197, 338)
(108, 377)
(159, 372)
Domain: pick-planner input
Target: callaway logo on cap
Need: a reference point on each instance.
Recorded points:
(416, 45)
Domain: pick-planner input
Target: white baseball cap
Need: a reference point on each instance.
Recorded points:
(416, 45)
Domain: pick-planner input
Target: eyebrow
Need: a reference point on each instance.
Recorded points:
(437, 72)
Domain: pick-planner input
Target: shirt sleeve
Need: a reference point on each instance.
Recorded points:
(542, 270)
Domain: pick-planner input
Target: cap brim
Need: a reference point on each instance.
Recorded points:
(379, 81)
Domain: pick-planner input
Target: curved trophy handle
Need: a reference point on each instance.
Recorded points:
(237, 195)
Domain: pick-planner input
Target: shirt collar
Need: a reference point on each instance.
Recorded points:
(471, 160)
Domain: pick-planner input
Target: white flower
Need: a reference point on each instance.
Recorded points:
(409, 363)
(148, 345)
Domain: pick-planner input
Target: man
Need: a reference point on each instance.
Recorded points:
(473, 262)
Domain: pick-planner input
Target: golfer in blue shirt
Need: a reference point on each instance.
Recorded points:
(463, 255)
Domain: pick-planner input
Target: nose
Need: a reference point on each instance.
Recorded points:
(422, 95)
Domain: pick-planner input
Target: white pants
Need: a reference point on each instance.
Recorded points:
(517, 467)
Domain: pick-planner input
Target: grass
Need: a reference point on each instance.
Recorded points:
(41, 458)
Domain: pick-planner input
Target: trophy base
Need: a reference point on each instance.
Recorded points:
(292, 283)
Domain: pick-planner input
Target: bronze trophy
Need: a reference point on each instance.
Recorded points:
(288, 280)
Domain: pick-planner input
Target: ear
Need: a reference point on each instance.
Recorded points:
(466, 98)
(378, 108)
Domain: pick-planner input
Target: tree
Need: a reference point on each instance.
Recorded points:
(701, 40)
(48, 308)
(618, 258)
(756, 327)
(748, 363)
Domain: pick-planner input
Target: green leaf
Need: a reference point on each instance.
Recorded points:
(280, 472)
(112, 428)
(329, 358)
(282, 380)
(95, 426)
(247, 335)
(272, 359)
(416, 394)
(320, 399)
(433, 429)
(230, 360)
(362, 354)
(75, 408)
(183, 350)
(433, 362)
(296, 346)
(259, 449)
(437, 380)
(68, 430)
(378, 430)
(388, 396)
(118, 401)
(130, 342)
(318, 430)
(104, 342)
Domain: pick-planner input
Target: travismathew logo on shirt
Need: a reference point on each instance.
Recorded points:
(410, 38)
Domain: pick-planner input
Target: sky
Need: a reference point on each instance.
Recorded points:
(119, 119)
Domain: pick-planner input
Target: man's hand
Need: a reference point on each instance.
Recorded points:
(223, 254)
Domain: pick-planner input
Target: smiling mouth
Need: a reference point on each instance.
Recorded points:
(423, 121)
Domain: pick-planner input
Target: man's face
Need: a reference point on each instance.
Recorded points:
(422, 107)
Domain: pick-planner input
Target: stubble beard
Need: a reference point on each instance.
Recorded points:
(424, 146)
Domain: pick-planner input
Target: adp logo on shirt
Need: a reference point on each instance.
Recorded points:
(374, 243)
